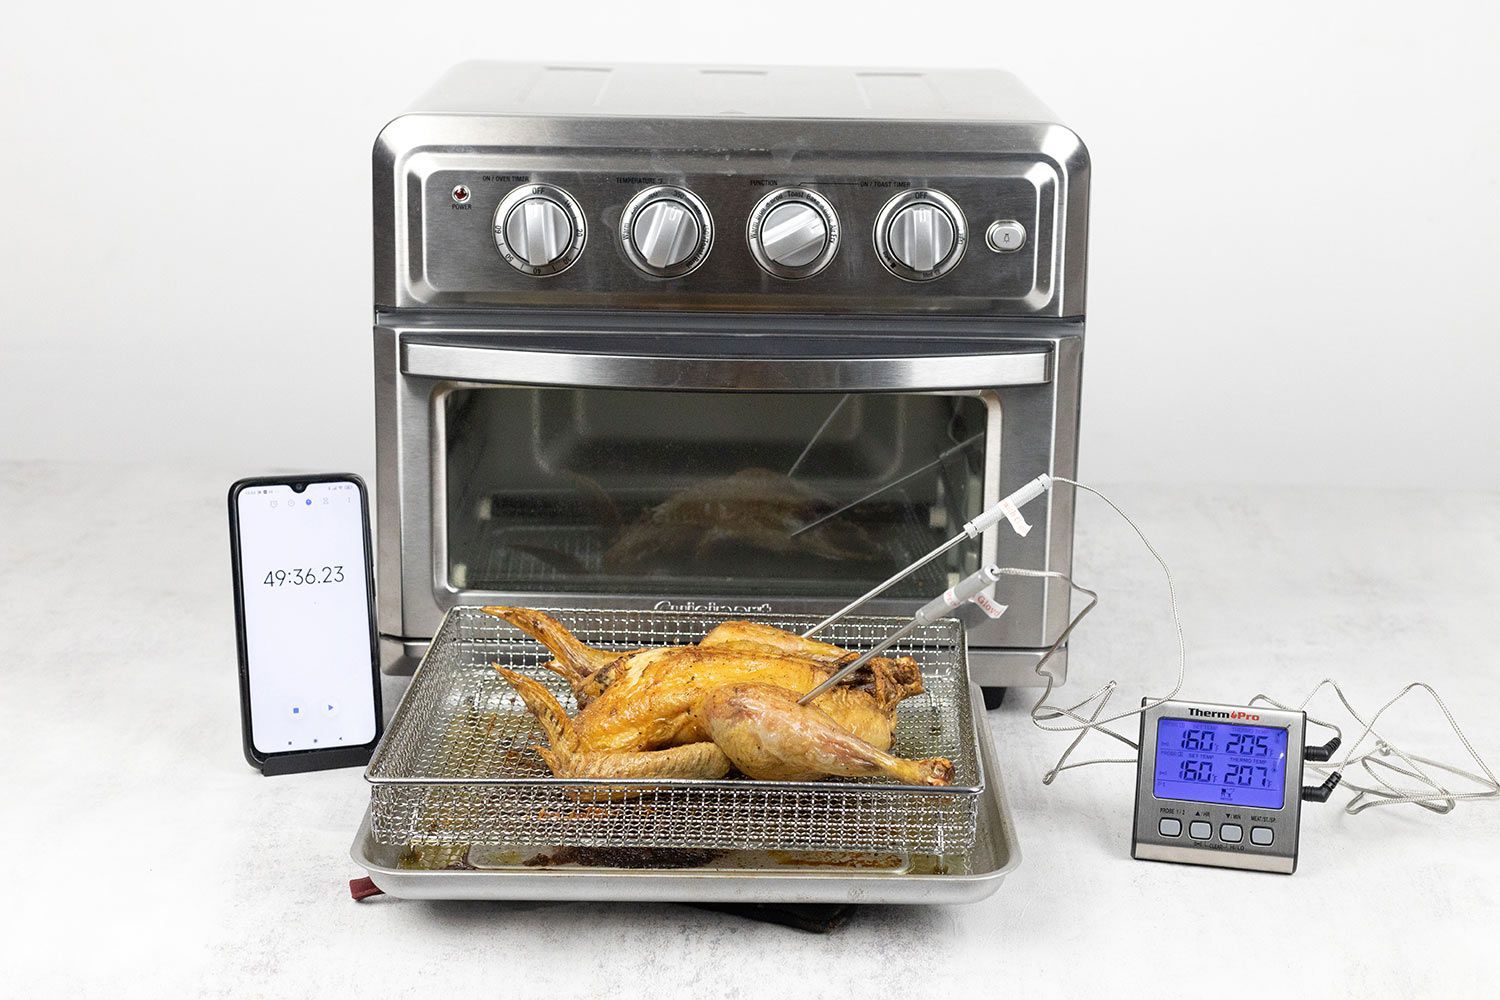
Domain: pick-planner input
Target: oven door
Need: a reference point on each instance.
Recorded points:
(719, 472)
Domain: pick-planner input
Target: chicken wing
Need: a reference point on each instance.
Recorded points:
(566, 757)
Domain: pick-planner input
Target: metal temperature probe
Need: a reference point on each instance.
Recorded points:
(938, 607)
(1009, 508)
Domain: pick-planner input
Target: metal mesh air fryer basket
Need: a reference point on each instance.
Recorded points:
(457, 765)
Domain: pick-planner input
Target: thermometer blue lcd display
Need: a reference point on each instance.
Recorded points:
(1218, 762)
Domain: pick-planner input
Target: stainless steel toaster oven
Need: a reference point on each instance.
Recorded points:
(733, 340)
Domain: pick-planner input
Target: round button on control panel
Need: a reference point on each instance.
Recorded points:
(539, 229)
(920, 235)
(793, 233)
(666, 231)
(1005, 236)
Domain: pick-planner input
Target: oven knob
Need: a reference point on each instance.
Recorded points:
(666, 231)
(793, 232)
(539, 229)
(920, 235)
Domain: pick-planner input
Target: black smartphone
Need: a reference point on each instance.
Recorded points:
(304, 611)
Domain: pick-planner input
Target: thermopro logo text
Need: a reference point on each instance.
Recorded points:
(1215, 713)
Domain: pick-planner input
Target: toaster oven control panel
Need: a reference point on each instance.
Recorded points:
(502, 229)
(1219, 785)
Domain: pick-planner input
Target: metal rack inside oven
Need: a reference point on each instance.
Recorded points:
(544, 558)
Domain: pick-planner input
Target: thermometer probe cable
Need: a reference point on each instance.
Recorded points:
(1083, 717)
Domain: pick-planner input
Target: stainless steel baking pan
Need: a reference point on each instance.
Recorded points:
(457, 766)
(503, 872)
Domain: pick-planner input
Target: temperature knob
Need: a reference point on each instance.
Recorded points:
(666, 231)
(920, 235)
(793, 233)
(539, 229)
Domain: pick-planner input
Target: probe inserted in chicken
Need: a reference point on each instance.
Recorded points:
(729, 702)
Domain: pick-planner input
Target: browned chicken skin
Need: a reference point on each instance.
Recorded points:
(728, 702)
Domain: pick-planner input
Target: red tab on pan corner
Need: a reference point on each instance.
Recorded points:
(364, 888)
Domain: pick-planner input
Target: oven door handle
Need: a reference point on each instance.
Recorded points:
(908, 373)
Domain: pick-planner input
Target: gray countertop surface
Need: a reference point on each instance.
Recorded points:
(147, 859)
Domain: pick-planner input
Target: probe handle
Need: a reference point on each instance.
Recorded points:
(1008, 508)
(965, 590)
(1027, 493)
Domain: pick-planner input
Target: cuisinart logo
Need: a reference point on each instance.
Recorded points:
(1213, 713)
(739, 609)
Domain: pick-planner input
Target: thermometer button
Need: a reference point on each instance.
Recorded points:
(1231, 833)
(1169, 827)
(1262, 836)
(1199, 830)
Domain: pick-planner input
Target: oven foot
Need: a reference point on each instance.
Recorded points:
(993, 698)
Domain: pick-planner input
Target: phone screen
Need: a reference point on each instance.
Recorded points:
(307, 624)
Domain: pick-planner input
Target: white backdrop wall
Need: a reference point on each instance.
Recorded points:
(1294, 272)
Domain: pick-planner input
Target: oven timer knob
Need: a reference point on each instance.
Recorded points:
(539, 229)
(666, 231)
(793, 233)
(920, 235)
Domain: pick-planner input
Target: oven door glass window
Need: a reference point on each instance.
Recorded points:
(701, 494)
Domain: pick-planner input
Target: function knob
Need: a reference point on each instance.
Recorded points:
(539, 229)
(666, 231)
(793, 233)
(920, 235)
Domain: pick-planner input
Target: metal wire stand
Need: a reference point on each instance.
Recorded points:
(457, 766)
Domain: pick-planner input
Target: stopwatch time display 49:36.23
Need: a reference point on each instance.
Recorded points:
(304, 576)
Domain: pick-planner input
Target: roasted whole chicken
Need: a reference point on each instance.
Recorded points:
(727, 703)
